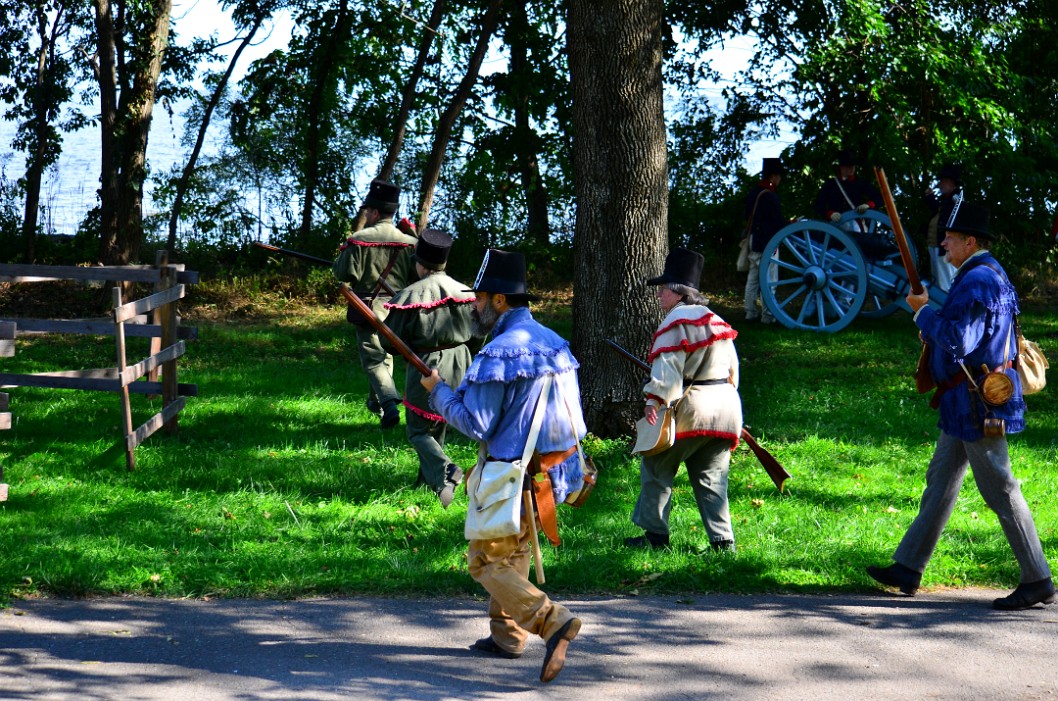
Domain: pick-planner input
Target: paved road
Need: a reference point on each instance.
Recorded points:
(938, 645)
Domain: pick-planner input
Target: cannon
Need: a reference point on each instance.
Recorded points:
(819, 276)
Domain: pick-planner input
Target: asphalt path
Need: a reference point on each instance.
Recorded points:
(938, 645)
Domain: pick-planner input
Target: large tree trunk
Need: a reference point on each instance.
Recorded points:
(137, 111)
(537, 225)
(36, 160)
(214, 100)
(620, 166)
(107, 77)
(319, 117)
(432, 171)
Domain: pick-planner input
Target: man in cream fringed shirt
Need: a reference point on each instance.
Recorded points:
(693, 364)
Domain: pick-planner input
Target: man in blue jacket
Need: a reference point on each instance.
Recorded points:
(972, 329)
(495, 404)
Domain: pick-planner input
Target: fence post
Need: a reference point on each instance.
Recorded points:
(168, 318)
(7, 349)
(126, 409)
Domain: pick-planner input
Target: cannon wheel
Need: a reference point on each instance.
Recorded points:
(813, 277)
(874, 223)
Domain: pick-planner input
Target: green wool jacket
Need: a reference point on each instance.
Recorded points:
(364, 255)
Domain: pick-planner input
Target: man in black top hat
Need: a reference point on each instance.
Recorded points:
(495, 404)
(845, 192)
(763, 215)
(949, 182)
(432, 316)
(371, 255)
(973, 329)
(694, 373)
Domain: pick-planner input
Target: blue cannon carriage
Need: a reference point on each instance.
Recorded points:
(819, 276)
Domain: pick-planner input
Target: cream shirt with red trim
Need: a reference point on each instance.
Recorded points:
(693, 343)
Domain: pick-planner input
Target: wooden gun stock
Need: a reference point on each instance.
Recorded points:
(402, 347)
(898, 232)
(775, 470)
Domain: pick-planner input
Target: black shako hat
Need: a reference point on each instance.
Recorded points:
(503, 272)
(951, 171)
(970, 219)
(847, 157)
(432, 249)
(383, 196)
(683, 267)
(772, 166)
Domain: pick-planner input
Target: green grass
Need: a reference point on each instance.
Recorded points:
(280, 483)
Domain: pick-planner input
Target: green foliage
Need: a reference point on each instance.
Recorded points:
(280, 483)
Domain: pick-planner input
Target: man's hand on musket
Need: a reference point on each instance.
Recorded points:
(917, 301)
(650, 413)
(430, 381)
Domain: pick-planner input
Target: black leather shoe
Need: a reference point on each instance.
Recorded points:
(648, 540)
(1026, 596)
(896, 575)
(555, 657)
(390, 417)
(726, 546)
(489, 645)
(373, 406)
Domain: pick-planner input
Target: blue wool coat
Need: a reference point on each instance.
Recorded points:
(496, 400)
(973, 326)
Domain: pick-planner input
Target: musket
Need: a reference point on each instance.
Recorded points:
(898, 232)
(383, 283)
(775, 470)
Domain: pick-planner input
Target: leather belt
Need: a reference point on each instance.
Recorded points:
(714, 381)
(547, 460)
(437, 349)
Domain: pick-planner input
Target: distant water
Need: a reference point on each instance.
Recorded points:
(69, 189)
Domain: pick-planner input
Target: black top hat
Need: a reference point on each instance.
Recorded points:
(383, 196)
(772, 166)
(683, 267)
(433, 249)
(951, 171)
(503, 272)
(970, 219)
(847, 157)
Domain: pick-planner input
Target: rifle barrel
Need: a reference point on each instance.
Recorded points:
(293, 254)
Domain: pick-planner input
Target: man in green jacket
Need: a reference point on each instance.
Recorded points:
(376, 253)
(433, 316)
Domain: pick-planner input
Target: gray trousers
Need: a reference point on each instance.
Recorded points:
(428, 439)
(378, 365)
(708, 460)
(990, 462)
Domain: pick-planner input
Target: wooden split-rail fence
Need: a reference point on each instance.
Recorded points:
(154, 316)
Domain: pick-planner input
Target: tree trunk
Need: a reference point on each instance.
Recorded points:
(319, 118)
(432, 171)
(537, 224)
(106, 76)
(620, 169)
(407, 100)
(137, 110)
(189, 168)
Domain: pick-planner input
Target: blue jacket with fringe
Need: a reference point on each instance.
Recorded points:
(497, 397)
(974, 326)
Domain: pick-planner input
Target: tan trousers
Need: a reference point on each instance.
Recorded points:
(516, 608)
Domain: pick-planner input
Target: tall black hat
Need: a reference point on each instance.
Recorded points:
(951, 171)
(683, 267)
(970, 219)
(847, 157)
(383, 196)
(432, 249)
(772, 166)
(503, 272)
